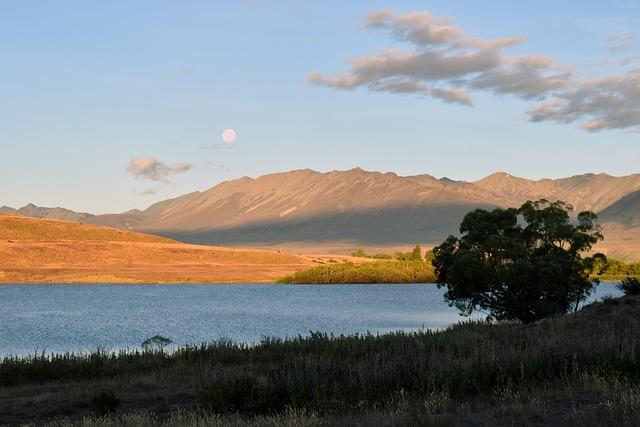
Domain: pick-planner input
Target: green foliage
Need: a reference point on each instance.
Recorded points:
(403, 256)
(616, 268)
(416, 253)
(429, 256)
(156, 342)
(368, 272)
(630, 286)
(105, 403)
(359, 253)
(519, 264)
(413, 255)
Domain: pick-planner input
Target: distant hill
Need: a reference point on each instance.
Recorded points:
(584, 192)
(308, 206)
(49, 213)
(310, 211)
(17, 227)
(35, 250)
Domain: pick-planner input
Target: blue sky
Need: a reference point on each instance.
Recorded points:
(88, 86)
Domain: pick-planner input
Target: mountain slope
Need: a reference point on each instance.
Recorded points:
(340, 210)
(49, 213)
(584, 192)
(306, 207)
(625, 211)
(18, 227)
(311, 206)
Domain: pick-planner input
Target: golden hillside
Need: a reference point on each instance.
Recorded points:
(36, 250)
(16, 227)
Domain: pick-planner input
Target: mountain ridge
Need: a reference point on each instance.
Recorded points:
(357, 207)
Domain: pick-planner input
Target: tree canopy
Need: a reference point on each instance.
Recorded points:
(519, 264)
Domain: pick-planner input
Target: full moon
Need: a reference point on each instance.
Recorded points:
(229, 135)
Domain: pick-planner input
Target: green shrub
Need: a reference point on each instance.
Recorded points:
(630, 286)
(368, 272)
(157, 342)
(359, 253)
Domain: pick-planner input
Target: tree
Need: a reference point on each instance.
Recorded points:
(413, 255)
(519, 264)
(157, 342)
(630, 286)
(360, 253)
(416, 254)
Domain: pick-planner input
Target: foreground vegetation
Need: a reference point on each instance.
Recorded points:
(613, 269)
(369, 272)
(580, 369)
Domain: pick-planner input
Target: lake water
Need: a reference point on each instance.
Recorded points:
(58, 318)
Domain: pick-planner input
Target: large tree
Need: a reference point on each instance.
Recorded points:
(519, 264)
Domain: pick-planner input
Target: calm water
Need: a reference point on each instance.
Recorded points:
(58, 318)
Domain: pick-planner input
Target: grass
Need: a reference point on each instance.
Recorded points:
(35, 250)
(620, 408)
(16, 227)
(564, 370)
(371, 272)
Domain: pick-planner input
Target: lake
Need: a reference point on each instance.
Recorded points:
(58, 318)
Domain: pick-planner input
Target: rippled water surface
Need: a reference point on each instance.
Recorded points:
(57, 318)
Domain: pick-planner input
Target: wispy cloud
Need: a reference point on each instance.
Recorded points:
(610, 102)
(446, 63)
(152, 169)
(620, 42)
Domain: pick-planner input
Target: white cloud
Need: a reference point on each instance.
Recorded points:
(422, 29)
(527, 77)
(152, 169)
(448, 64)
(445, 63)
(611, 102)
(452, 95)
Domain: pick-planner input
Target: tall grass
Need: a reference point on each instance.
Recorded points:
(370, 272)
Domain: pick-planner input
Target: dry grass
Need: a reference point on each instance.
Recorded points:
(16, 227)
(35, 250)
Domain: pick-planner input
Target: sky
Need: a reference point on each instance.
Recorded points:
(109, 106)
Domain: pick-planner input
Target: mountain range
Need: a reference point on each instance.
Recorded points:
(34, 211)
(335, 211)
